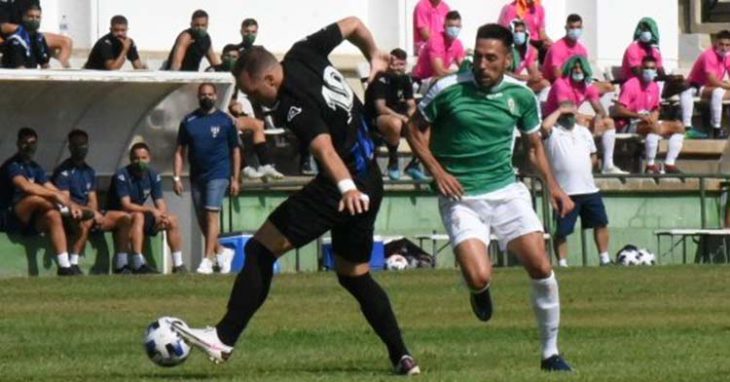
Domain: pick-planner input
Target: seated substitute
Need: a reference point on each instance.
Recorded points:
(27, 47)
(30, 203)
(443, 53)
(524, 60)
(637, 112)
(77, 180)
(574, 86)
(192, 45)
(229, 56)
(131, 186)
(11, 21)
(112, 50)
(389, 103)
(572, 154)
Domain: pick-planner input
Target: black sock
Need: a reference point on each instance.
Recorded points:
(376, 307)
(262, 152)
(392, 155)
(249, 292)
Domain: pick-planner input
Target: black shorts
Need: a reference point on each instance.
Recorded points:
(150, 228)
(10, 223)
(312, 211)
(592, 214)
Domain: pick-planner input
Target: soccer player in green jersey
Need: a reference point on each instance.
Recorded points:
(464, 133)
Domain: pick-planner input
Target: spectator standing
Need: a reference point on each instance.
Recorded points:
(428, 21)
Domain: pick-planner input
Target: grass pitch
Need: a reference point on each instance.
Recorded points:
(618, 324)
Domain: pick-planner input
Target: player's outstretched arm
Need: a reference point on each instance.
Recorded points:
(354, 201)
(417, 133)
(558, 198)
(355, 31)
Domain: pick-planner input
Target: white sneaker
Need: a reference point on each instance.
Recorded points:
(614, 171)
(269, 171)
(251, 173)
(206, 340)
(224, 260)
(205, 267)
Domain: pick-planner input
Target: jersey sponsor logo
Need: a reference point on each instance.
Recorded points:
(215, 130)
(336, 92)
(293, 112)
(495, 96)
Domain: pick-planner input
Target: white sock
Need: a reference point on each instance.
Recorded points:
(546, 303)
(716, 107)
(137, 260)
(608, 140)
(73, 259)
(607, 100)
(604, 257)
(63, 260)
(687, 102)
(563, 263)
(177, 258)
(675, 146)
(651, 145)
(122, 259)
(543, 96)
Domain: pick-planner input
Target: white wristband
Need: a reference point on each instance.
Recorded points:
(176, 178)
(346, 185)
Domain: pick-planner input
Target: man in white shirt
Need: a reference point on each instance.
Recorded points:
(572, 154)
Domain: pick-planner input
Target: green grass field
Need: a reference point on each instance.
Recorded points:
(618, 324)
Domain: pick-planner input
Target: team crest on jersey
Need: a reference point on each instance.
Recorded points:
(293, 112)
(215, 130)
(88, 186)
(512, 106)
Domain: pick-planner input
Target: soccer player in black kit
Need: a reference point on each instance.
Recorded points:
(313, 100)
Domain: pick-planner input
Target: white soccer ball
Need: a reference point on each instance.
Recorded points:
(396, 263)
(163, 345)
(629, 255)
(646, 258)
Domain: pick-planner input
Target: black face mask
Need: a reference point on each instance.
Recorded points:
(27, 150)
(78, 153)
(206, 104)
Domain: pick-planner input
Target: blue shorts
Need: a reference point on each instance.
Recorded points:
(592, 214)
(208, 196)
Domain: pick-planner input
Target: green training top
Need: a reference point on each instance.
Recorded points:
(473, 131)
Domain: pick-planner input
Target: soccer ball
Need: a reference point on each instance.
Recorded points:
(163, 345)
(646, 258)
(629, 255)
(396, 263)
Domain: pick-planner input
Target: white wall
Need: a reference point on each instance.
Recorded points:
(154, 24)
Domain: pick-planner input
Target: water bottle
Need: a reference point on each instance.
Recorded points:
(63, 26)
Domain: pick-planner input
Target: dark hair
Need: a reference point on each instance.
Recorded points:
(253, 61)
(199, 14)
(32, 7)
(118, 19)
(723, 34)
(137, 146)
(574, 18)
(648, 59)
(26, 132)
(204, 84)
(453, 15)
(229, 47)
(77, 133)
(248, 22)
(496, 32)
(399, 53)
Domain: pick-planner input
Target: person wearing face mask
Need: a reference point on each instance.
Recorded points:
(564, 48)
(389, 103)
(463, 132)
(442, 54)
(131, 187)
(111, 51)
(572, 154)
(646, 43)
(229, 56)
(637, 112)
(575, 86)
(76, 179)
(192, 45)
(249, 31)
(524, 64)
(709, 80)
(27, 47)
(532, 13)
(30, 204)
(210, 139)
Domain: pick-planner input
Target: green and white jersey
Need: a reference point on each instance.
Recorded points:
(473, 131)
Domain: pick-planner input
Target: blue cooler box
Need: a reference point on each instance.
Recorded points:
(237, 242)
(377, 257)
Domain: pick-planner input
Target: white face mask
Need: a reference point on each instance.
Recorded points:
(645, 36)
(453, 32)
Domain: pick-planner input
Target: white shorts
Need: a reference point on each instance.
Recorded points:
(506, 213)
